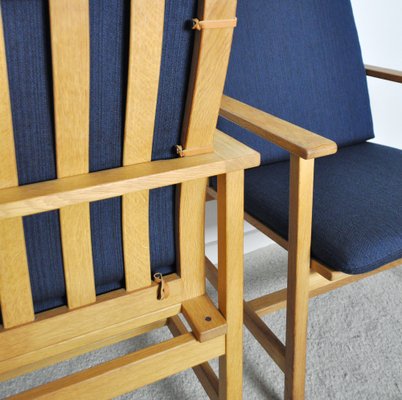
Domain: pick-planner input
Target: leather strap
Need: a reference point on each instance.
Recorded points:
(214, 23)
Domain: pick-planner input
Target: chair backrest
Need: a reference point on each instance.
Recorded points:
(301, 61)
(95, 85)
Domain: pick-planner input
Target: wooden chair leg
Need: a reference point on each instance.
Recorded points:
(230, 281)
(300, 216)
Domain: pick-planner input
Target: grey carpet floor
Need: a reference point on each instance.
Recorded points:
(354, 346)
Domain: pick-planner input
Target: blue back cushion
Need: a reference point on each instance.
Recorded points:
(27, 38)
(301, 61)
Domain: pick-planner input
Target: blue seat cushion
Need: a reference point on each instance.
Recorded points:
(301, 61)
(357, 212)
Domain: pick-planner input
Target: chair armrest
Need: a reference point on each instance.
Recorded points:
(295, 140)
(384, 73)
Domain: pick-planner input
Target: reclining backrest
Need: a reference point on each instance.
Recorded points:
(95, 85)
(301, 61)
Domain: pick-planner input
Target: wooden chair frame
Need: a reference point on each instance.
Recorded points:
(307, 277)
(28, 341)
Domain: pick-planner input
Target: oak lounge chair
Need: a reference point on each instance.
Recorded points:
(94, 200)
(301, 61)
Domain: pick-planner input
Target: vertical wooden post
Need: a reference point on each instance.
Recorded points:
(208, 72)
(207, 78)
(191, 214)
(230, 281)
(300, 218)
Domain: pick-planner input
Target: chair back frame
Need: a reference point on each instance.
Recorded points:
(88, 321)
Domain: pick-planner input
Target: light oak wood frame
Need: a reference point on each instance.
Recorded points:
(28, 341)
(306, 277)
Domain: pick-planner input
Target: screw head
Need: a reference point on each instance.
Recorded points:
(208, 318)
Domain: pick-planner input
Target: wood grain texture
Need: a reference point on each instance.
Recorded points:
(267, 339)
(61, 330)
(333, 275)
(204, 372)
(15, 289)
(300, 220)
(292, 138)
(130, 331)
(230, 280)
(204, 319)
(384, 73)
(146, 34)
(115, 377)
(229, 155)
(208, 72)
(264, 335)
(317, 285)
(8, 164)
(191, 241)
(69, 22)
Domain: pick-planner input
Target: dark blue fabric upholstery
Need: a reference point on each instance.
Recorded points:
(175, 69)
(301, 61)
(27, 37)
(29, 71)
(109, 33)
(357, 213)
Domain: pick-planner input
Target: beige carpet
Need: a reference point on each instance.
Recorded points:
(354, 348)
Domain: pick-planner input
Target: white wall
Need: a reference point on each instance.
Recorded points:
(379, 23)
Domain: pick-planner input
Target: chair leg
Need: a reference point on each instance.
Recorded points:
(300, 216)
(230, 281)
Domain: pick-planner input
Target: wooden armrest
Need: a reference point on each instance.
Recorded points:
(229, 155)
(292, 138)
(384, 73)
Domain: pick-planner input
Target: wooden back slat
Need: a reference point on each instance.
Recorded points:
(208, 72)
(209, 65)
(146, 35)
(15, 289)
(69, 22)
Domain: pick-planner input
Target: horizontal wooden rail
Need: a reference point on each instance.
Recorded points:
(318, 285)
(267, 339)
(229, 155)
(204, 372)
(132, 371)
(125, 331)
(59, 331)
(264, 335)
